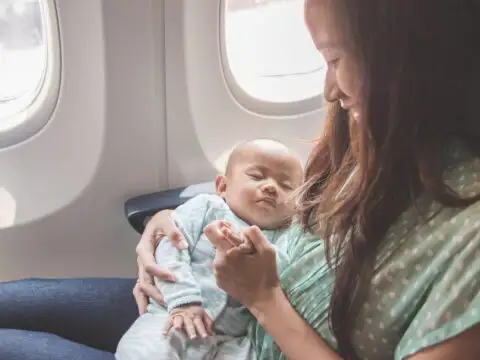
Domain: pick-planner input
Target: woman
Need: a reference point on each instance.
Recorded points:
(387, 248)
(392, 189)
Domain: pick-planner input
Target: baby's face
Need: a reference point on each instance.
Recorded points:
(259, 186)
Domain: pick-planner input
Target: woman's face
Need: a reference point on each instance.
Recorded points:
(342, 82)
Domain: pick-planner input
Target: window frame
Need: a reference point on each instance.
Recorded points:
(249, 102)
(32, 110)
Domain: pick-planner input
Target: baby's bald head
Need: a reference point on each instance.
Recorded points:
(266, 146)
(259, 181)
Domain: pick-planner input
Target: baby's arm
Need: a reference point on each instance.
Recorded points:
(185, 290)
(183, 297)
(189, 218)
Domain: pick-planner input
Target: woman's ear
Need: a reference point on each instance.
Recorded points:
(221, 185)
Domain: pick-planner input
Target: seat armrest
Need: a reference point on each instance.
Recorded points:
(140, 209)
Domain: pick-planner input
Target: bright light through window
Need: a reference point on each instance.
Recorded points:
(23, 54)
(269, 51)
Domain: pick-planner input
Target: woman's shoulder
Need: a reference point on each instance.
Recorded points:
(426, 285)
(462, 170)
(438, 285)
(430, 222)
(429, 239)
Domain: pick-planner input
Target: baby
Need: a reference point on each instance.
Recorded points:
(256, 190)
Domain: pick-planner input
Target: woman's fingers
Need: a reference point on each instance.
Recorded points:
(235, 238)
(160, 224)
(140, 299)
(145, 284)
(150, 290)
(146, 254)
(144, 288)
(159, 272)
(170, 229)
(246, 247)
(146, 260)
(238, 254)
(257, 239)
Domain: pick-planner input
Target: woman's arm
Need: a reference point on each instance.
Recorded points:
(296, 339)
(248, 273)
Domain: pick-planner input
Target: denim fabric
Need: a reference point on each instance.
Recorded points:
(64, 318)
(30, 345)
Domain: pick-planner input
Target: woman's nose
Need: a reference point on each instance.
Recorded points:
(331, 92)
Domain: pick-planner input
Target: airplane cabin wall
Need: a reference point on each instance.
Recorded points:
(145, 104)
(204, 117)
(104, 143)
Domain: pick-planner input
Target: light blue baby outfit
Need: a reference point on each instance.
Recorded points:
(195, 284)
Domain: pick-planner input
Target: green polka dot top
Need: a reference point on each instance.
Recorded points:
(426, 287)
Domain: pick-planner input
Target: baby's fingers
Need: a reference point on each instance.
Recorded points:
(200, 327)
(168, 326)
(178, 322)
(208, 324)
(189, 328)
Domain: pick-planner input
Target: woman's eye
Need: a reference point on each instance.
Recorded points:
(287, 186)
(333, 63)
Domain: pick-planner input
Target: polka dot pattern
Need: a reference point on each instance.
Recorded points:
(425, 288)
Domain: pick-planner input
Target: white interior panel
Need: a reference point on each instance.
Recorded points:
(203, 118)
(104, 143)
(38, 172)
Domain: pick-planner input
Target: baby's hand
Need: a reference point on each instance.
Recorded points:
(236, 237)
(225, 237)
(192, 318)
(239, 240)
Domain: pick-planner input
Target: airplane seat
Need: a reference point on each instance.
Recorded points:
(140, 209)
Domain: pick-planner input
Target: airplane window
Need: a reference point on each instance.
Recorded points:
(23, 55)
(269, 52)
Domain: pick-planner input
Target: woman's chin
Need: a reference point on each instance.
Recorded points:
(354, 114)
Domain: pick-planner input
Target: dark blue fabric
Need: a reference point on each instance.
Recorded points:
(29, 345)
(64, 318)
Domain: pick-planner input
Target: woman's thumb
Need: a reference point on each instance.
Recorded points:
(257, 239)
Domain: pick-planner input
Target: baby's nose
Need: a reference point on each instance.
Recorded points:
(270, 188)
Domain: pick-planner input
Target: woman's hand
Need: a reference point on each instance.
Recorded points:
(248, 271)
(161, 224)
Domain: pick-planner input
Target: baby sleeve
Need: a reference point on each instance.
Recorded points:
(190, 219)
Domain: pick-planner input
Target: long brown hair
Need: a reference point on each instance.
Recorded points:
(416, 59)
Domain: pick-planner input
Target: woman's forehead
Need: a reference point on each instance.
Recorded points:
(319, 20)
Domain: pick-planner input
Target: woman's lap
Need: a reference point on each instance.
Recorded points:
(29, 345)
(93, 312)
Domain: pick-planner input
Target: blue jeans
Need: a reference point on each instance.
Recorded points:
(74, 319)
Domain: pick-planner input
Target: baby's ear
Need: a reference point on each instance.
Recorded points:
(221, 185)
